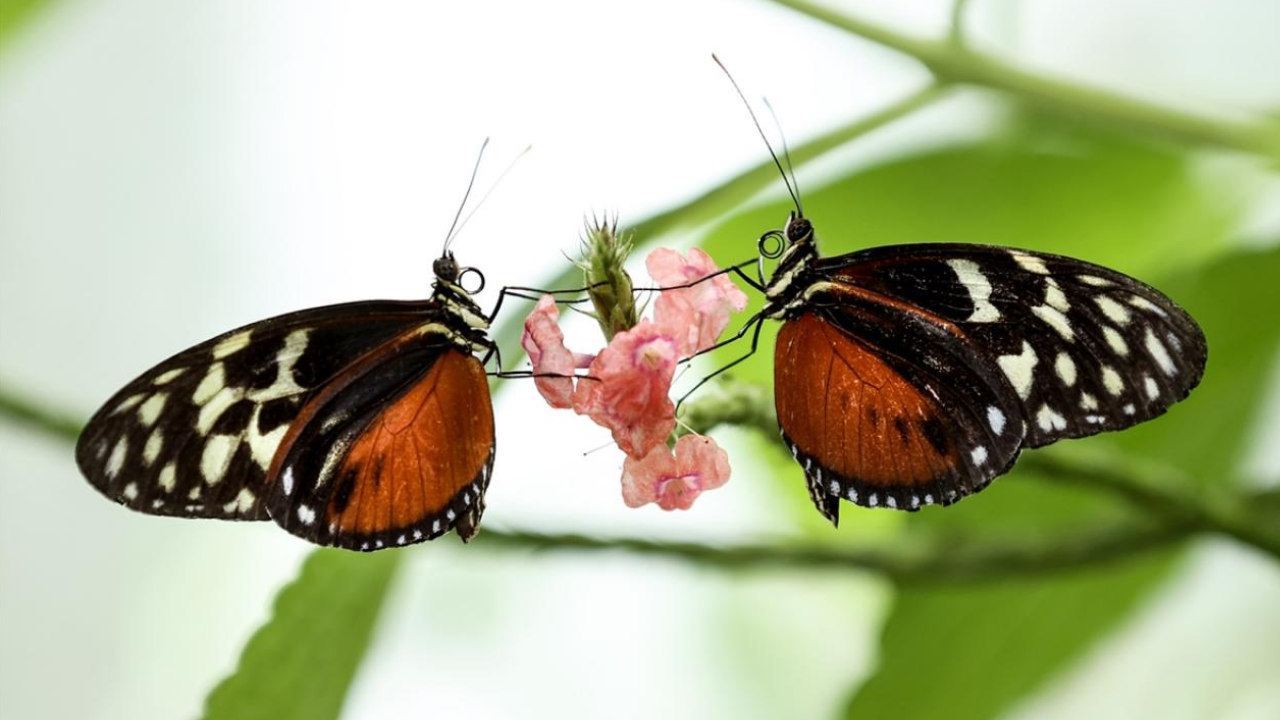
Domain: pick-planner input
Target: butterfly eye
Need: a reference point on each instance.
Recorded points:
(799, 230)
(446, 268)
(771, 244)
(478, 279)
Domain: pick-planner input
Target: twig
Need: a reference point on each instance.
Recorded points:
(36, 416)
(938, 564)
(964, 562)
(950, 62)
(1252, 518)
(956, 32)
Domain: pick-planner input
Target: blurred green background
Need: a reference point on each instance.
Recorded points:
(172, 169)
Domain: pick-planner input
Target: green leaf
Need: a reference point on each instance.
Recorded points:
(968, 652)
(15, 14)
(300, 664)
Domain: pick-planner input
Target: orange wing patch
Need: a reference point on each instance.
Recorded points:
(862, 431)
(418, 455)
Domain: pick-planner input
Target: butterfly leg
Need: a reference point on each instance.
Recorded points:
(753, 320)
(534, 294)
(496, 354)
(758, 322)
(735, 269)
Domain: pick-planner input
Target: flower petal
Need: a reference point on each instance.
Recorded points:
(627, 392)
(695, 315)
(544, 342)
(674, 481)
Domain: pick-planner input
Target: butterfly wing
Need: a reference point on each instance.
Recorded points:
(397, 449)
(1085, 348)
(974, 352)
(194, 435)
(881, 411)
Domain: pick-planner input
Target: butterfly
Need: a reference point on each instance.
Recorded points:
(914, 375)
(361, 425)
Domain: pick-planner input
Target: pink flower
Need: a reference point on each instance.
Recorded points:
(675, 481)
(627, 388)
(628, 392)
(544, 342)
(694, 315)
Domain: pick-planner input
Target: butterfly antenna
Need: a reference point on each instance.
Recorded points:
(492, 187)
(795, 198)
(448, 238)
(597, 449)
(786, 153)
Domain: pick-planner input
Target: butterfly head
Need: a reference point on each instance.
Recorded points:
(798, 230)
(794, 248)
(446, 268)
(452, 291)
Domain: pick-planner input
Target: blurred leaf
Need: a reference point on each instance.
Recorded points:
(301, 662)
(14, 14)
(969, 652)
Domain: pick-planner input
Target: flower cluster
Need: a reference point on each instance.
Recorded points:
(628, 382)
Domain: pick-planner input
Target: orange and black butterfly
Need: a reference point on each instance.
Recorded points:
(362, 425)
(913, 375)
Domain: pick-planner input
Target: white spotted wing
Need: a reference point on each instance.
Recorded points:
(1084, 348)
(195, 435)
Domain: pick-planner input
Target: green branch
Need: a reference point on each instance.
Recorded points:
(950, 62)
(1251, 518)
(728, 196)
(35, 416)
(751, 406)
(936, 563)
(956, 33)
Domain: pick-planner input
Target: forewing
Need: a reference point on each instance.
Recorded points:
(396, 450)
(194, 435)
(883, 409)
(1085, 348)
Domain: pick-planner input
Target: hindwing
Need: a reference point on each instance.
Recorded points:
(397, 449)
(194, 435)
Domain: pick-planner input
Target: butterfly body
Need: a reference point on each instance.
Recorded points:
(361, 425)
(913, 375)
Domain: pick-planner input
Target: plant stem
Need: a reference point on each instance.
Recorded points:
(951, 62)
(729, 195)
(949, 563)
(939, 564)
(1251, 518)
(36, 416)
(955, 32)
